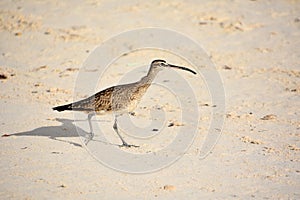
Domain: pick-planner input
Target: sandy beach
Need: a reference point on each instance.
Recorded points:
(51, 55)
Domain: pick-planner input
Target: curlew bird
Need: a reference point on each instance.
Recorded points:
(119, 99)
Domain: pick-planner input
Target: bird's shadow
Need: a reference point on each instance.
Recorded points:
(66, 129)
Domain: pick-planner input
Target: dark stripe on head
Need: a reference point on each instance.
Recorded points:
(154, 61)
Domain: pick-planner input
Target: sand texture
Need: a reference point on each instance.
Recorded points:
(255, 46)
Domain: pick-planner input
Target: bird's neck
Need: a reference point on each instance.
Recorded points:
(149, 77)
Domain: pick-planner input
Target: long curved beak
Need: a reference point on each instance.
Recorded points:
(183, 68)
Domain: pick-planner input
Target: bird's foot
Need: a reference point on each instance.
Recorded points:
(89, 138)
(128, 145)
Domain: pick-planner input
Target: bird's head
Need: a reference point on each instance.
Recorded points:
(161, 64)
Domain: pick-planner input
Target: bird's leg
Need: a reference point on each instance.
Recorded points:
(115, 126)
(91, 135)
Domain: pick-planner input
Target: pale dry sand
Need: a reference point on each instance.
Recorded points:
(255, 45)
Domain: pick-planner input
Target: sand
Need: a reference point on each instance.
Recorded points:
(255, 48)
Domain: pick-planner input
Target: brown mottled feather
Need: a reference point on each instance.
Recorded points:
(121, 98)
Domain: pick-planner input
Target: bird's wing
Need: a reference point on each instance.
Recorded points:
(100, 101)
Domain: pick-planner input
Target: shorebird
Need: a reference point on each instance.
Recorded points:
(118, 99)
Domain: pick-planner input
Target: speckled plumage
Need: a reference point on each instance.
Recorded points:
(119, 99)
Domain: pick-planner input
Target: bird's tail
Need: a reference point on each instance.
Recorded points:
(63, 107)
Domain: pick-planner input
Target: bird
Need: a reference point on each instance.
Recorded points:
(118, 99)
